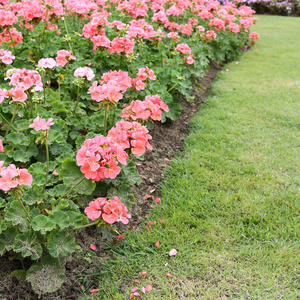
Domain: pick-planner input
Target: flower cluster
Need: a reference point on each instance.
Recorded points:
(99, 158)
(41, 124)
(152, 108)
(110, 210)
(131, 136)
(84, 72)
(47, 63)
(25, 79)
(12, 176)
(63, 57)
(6, 57)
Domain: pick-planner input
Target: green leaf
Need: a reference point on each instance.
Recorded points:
(18, 273)
(2, 203)
(18, 138)
(33, 196)
(174, 111)
(58, 190)
(3, 225)
(43, 224)
(131, 175)
(37, 168)
(28, 245)
(62, 244)
(16, 215)
(22, 124)
(60, 218)
(71, 174)
(46, 277)
(55, 136)
(7, 239)
(18, 155)
(76, 218)
(58, 205)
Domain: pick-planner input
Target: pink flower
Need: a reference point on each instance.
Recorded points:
(157, 200)
(18, 94)
(173, 252)
(253, 36)
(99, 158)
(41, 124)
(86, 72)
(6, 57)
(94, 291)
(1, 146)
(111, 211)
(134, 289)
(93, 211)
(148, 288)
(11, 177)
(3, 94)
(183, 48)
(63, 57)
(93, 247)
(47, 63)
(169, 275)
(157, 244)
(143, 273)
(189, 60)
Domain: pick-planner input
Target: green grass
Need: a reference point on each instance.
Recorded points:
(232, 202)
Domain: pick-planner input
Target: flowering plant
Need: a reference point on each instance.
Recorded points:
(81, 83)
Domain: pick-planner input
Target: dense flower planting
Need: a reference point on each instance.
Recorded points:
(81, 83)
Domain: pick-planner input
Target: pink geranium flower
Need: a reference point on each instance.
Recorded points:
(41, 124)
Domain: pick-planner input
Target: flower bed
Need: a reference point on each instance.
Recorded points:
(82, 83)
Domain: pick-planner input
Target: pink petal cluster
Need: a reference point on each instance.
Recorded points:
(183, 48)
(111, 87)
(47, 63)
(6, 57)
(152, 108)
(63, 57)
(145, 73)
(99, 158)
(131, 136)
(189, 59)
(253, 36)
(10, 34)
(209, 35)
(7, 18)
(41, 124)
(119, 45)
(25, 79)
(111, 210)
(12, 176)
(86, 72)
(1, 146)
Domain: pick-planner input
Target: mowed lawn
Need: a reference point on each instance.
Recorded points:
(231, 202)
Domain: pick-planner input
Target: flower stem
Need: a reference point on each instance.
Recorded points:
(7, 121)
(47, 171)
(12, 119)
(68, 36)
(105, 120)
(44, 88)
(59, 91)
(78, 98)
(73, 187)
(12, 41)
(114, 116)
(84, 226)
(23, 207)
(170, 88)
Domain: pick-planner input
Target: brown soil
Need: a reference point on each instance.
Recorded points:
(167, 141)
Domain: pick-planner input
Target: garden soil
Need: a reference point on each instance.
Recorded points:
(167, 142)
